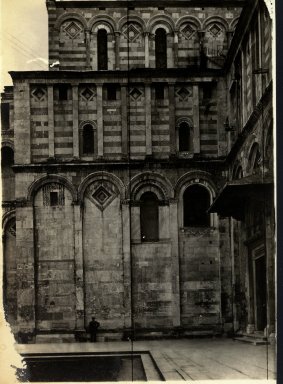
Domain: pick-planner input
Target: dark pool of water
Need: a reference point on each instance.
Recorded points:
(82, 368)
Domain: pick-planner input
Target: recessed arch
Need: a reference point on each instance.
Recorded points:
(70, 16)
(132, 18)
(160, 21)
(7, 143)
(102, 21)
(103, 176)
(37, 184)
(188, 19)
(254, 158)
(154, 180)
(201, 177)
(215, 19)
(234, 23)
(7, 217)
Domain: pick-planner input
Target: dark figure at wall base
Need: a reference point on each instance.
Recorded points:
(92, 328)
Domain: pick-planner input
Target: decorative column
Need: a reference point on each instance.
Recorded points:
(126, 261)
(146, 49)
(175, 48)
(99, 101)
(173, 217)
(22, 126)
(75, 121)
(51, 152)
(148, 139)
(229, 35)
(26, 271)
(124, 113)
(87, 46)
(196, 139)
(79, 275)
(117, 49)
(202, 55)
(172, 128)
(94, 61)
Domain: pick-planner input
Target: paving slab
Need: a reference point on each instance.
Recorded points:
(183, 359)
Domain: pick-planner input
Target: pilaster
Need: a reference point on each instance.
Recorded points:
(172, 128)
(148, 135)
(126, 261)
(50, 121)
(117, 49)
(75, 121)
(99, 89)
(146, 49)
(173, 218)
(79, 273)
(124, 113)
(196, 139)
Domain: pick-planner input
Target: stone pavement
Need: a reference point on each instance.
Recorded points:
(185, 359)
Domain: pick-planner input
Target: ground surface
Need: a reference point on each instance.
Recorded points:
(185, 359)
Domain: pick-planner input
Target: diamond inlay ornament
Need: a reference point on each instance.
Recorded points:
(183, 93)
(39, 93)
(188, 31)
(87, 94)
(131, 32)
(135, 93)
(101, 195)
(73, 29)
(215, 30)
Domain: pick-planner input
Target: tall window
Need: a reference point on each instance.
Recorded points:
(102, 54)
(149, 217)
(88, 142)
(196, 203)
(160, 48)
(184, 137)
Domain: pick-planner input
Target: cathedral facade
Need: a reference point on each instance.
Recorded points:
(137, 173)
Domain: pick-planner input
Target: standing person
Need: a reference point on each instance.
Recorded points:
(93, 326)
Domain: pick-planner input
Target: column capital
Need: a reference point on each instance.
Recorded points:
(117, 33)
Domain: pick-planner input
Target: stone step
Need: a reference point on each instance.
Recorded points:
(55, 338)
(252, 340)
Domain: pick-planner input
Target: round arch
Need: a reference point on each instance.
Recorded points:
(195, 177)
(7, 217)
(160, 21)
(234, 23)
(37, 184)
(8, 143)
(186, 120)
(105, 176)
(70, 16)
(150, 181)
(215, 19)
(188, 19)
(132, 18)
(87, 122)
(102, 21)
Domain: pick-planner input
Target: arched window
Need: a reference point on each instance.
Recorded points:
(88, 140)
(102, 51)
(149, 217)
(254, 160)
(160, 48)
(185, 138)
(196, 201)
(8, 176)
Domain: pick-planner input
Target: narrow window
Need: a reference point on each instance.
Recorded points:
(54, 198)
(88, 142)
(159, 92)
(102, 54)
(160, 48)
(63, 92)
(149, 217)
(5, 116)
(184, 137)
(196, 203)
(111, 92)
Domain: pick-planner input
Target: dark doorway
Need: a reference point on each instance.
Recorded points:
(260, 293)
(160, 48)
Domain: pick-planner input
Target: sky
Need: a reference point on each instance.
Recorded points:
(24, 37)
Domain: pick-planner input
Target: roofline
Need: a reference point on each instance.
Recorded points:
(145, 3)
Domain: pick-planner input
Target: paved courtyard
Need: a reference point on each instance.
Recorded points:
(185, 359)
